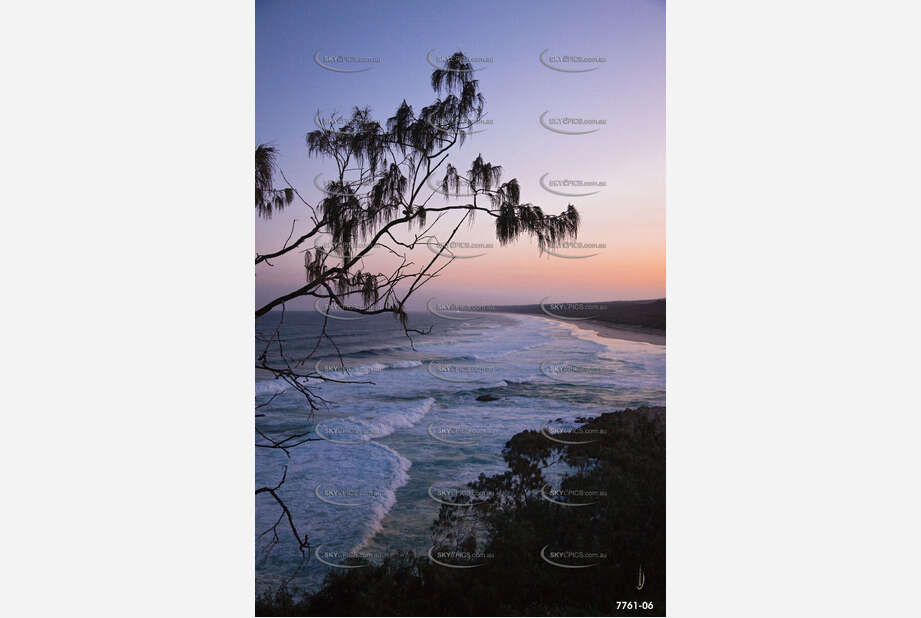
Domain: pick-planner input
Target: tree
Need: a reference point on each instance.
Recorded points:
(268, 198)
(381, 197)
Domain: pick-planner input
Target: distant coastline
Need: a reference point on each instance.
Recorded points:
(630, 320)
(626, 332)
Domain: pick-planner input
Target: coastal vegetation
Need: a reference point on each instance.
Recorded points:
(592, 545)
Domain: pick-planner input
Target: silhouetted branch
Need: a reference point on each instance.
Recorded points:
(380, 195)
(302, 545)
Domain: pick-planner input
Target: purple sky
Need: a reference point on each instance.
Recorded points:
(626, 154)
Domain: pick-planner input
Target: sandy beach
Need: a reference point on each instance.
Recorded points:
(623, 331)
(626, 332)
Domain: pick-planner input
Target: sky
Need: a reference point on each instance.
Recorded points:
(624, 159)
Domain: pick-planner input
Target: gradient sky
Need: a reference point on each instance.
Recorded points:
(628, 153)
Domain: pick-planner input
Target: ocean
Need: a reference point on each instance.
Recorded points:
(406, 430)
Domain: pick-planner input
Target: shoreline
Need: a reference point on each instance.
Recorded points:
(610, 330)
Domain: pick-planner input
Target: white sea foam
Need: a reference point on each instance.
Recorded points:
(401, 403)
(382, 506)
(383, 425)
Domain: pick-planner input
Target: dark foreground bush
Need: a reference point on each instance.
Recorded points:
(517, 532)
